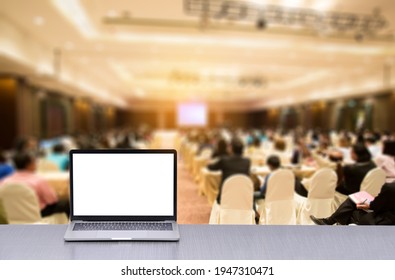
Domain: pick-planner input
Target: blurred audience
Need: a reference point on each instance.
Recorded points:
(383, 210)
(387, 163)
(5, 168)
(232, 164)
(353, 174)
(274, 163)
(25, 164)
(372, 145)
(221, 149)
(59, 156)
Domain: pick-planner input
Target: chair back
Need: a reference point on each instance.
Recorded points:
(236, 201)
(237, 193)
(320, 199)
(3, 216)
(280, 186)
(373, 181)
(20, 203)
(279, 206)
(323, 184)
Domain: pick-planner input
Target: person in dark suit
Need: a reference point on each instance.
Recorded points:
(353, 174)
(274, 163)
(221, 149)
(231, 165)
(383, 207)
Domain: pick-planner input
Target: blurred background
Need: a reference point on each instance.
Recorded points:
(105, 74)
(84, 66)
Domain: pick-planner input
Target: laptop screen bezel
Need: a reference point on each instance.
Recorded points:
(124, 218)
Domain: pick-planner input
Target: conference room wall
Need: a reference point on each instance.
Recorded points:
(332, 114)
(28, 110)
(8, 111)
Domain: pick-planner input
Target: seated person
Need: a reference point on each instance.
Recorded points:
(221, 149)
(5, 168)
(232, 164)
(373, 147)
(273, 162)
(204, 143)
(280, 150)
(387, 163)
(59, 157)
(353, 174)
(383, 207)
(49, 202)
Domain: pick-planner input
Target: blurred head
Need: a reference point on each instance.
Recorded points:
(360, 153)
(344, 142)
(370, 140)
(237, 147)
(279, 145)
(222, 146)
(25, 162)
(336, 156)
(58, 149)
(273, 162)
(256, 142)
(28, 144)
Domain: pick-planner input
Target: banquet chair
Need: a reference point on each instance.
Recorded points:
(236, 202)
(320, 198)
(21, 206)
(278, 207)
(3, 216)
(372, 183)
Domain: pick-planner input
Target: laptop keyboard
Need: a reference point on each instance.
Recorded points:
(122, 226)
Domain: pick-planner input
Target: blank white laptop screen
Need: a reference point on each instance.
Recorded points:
(123, 184)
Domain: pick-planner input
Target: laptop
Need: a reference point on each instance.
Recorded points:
(125, 195)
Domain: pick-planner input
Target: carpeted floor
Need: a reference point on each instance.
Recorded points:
(191, 208)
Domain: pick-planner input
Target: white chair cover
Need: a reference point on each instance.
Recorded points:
(373, 181)
(236, 202)
(320, 198)
(372, 184)
(279, 206)
(21, 205)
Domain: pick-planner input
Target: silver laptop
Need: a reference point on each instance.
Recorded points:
(123, 195)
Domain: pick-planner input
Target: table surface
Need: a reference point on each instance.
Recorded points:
(208, 242)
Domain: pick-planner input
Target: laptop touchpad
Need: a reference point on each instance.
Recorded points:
(122, 235)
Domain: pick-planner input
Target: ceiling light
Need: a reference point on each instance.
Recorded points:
(200, 40)
(292, 3)
(39, 21)
(44, 68)
(75, 13)
(112, 14)
(121, 71)
(304, 80)
(323, 5)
